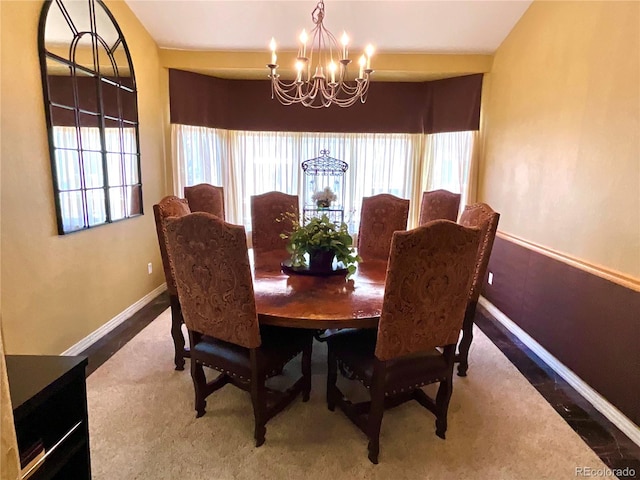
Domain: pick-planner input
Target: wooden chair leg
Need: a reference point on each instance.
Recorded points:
(463, 353)
(258, 398)
(176, 332)
(442, 406)
(306, 370)
(467, 338)
(375, 414)
(199, 387)
(444, 392)
(332, 377)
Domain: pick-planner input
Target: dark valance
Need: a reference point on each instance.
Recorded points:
(448, 105)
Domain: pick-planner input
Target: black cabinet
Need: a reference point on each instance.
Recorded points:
(49, 399)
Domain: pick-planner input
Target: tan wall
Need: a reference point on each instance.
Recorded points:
(561, 131)
(58, 289)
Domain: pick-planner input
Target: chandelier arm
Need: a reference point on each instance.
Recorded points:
(284, 98)
(286, 88)
(331, 44)
(284, 94)
(295, 92)
(327, 97)
(352, 89)
(346, 102)
(312, 98)
(283, 84)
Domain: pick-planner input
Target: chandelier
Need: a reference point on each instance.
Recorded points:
(322, 55)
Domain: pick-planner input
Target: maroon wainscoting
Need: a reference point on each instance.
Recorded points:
(588, 323)
(446, 105)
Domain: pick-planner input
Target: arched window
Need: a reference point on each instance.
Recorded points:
(92, 114)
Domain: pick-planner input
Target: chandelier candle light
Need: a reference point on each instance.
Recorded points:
(318, 91)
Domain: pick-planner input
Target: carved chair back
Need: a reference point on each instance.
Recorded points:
(206, 198)
(381, 215)
(427, 288)
(211, 266)
(439, 205)
(484, 217)
(170, 206)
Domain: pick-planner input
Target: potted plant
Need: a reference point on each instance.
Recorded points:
(323, 198)
(322, 240)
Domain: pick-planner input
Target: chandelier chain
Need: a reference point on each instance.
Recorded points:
(317, 16)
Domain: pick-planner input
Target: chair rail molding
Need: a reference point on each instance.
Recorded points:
(614, 276)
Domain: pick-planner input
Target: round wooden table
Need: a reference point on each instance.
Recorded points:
(318, 302)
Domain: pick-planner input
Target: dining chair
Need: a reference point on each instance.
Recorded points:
(439, 205)
(426, 291)
(171, 206)
(205, 198)
(210, 263)
(272, 214)
(380, 216)
(484, 217)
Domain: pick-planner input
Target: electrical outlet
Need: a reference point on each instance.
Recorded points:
(150, 268)
(489, 280)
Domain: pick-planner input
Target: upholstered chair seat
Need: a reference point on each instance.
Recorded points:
(357, 350)
(426, 291)
(279, 347)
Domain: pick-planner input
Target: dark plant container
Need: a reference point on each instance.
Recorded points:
(321, 260)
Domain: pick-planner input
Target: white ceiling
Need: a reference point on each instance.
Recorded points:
(446, 26)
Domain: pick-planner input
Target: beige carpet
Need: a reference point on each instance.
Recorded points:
(143, 426)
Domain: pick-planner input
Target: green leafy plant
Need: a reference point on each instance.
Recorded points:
(321, 234)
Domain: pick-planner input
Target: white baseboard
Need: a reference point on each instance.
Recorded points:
(600, 403)
(114, 322)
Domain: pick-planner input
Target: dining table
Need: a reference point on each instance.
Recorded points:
(317, 301)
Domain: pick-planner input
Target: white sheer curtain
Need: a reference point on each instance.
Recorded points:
(199, 155)
(259, 162)
(447, 163)
(378, 163)
(249, 163)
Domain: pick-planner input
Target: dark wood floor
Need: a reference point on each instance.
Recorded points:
(103, 349)
(614, 448)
